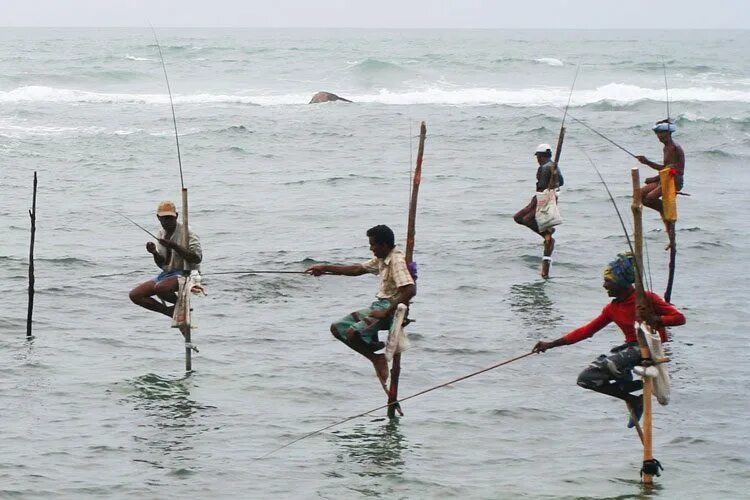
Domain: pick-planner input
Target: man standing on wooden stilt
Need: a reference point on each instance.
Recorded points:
(548, 176)
(172, 257)
(674, 158)
(612, 374)
(359, 330)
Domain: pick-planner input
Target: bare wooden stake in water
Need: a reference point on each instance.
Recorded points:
(186, 244)
(32, 215)
(637, 208)
(410, 233)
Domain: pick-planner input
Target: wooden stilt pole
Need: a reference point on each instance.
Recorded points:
(410, 232)
(672, 265)
(30, 311)
(186, 244)
(548, 242)
(637, 208)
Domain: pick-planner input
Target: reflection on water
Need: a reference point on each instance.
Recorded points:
(531, 303)
(175, 415)
(377, 448)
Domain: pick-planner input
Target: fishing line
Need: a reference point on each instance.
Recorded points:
(171, 103)
(310, 434)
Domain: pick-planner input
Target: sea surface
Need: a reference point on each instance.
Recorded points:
(98, 404)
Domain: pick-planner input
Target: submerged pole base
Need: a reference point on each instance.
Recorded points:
(651, 468)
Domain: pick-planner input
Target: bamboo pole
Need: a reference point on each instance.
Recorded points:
(410, 233)
(32, 215)
(637, 208)
(186, 245)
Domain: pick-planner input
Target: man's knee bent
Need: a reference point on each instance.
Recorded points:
(591, 378)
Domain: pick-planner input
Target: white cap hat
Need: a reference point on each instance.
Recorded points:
(543, 148)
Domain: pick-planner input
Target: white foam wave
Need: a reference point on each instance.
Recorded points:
(135, 58)
(549, 60)
(616, 93)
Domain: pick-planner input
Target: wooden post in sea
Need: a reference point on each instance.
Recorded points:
(548, 247)
(410, 232)
(30, 311)
(186, 245)
(637, 208)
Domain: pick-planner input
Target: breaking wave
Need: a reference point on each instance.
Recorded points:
(616, 94)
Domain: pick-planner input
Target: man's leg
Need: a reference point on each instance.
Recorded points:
(359, 332)
(651, 196)
(611, 375)
(143, 296)
(167, 289)
(527, 216)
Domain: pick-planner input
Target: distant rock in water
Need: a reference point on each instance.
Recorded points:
(325, 97)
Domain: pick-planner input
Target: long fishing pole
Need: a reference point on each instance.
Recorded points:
(570, 96)
(666, 86)
(137, 225)
(255, 272)
(614, 204)
(600, 134)
(171, 103)
(459, 379)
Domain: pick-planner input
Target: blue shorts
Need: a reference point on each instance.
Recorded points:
(167, 274)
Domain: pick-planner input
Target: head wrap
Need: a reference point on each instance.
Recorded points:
(664, 127)
(621, 271)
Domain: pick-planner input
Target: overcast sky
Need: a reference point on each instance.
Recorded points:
(574, 14)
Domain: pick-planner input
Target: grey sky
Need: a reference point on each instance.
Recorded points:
(576, 14)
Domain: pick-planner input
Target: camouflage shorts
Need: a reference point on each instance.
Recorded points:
(359, 323)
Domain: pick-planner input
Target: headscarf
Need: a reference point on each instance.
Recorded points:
(621, 271)
(664, 127)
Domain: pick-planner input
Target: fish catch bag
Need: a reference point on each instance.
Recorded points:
(547, 213)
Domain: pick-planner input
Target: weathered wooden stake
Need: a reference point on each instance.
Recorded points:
(637, 208)
(410, 232)
(32, 215)
(548, 248)
(186, 244)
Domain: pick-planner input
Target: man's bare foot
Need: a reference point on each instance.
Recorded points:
(381, 368)
(169, 311)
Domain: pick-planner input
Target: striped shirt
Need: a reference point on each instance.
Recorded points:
(392, 271)
(172, 260)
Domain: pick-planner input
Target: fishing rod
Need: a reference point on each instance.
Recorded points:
(137, 225)
(617, 210)
(600, 135)
(171, 103)
(570, 95)
(393, 403)
(256, 272)
(666, 86)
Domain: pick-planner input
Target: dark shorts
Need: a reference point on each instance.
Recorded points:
(615, 367)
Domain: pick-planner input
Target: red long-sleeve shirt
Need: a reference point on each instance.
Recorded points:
(622, 312)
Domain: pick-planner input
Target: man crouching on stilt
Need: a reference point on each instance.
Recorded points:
(173, 259)
(546, 177)
(359, 330)
(611, 374)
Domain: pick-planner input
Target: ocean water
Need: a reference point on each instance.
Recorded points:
(98, 405)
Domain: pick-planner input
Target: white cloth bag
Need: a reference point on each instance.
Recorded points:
(547, 213)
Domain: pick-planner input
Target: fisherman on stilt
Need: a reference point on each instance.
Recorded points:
(674, 158)
(172, 257)
(612, 374)
(359, 330)
(548, 176)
